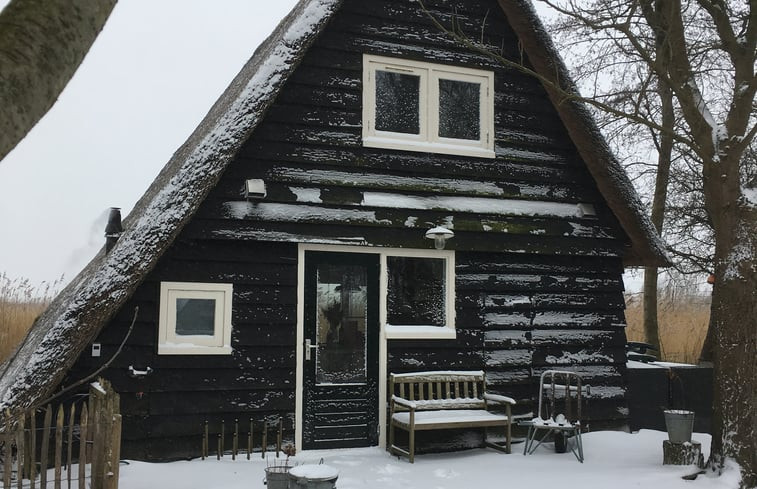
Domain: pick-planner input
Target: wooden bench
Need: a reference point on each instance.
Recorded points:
(444, 400)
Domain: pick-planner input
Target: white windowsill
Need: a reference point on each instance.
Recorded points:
(427, 147)
(392, 332)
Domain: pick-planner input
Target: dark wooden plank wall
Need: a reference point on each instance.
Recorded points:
(164, 412)
(532, 292)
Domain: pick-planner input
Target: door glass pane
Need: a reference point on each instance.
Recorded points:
(415, 291)
(342, 309)
(459, 110)
(397, 102)
(195, 317)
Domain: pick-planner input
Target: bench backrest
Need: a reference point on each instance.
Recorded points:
(441, 389)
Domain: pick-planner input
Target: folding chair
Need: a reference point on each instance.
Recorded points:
(560, 395)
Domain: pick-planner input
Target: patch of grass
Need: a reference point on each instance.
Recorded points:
(21, 303)
(683, 317)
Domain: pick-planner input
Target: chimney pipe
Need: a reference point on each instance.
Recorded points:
(113, 229)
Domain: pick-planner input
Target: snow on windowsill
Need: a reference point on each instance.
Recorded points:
(419, 332)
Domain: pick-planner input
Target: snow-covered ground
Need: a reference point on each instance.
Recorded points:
(614, 460)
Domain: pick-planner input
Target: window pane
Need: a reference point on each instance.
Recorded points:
(459, 110)
(195, 317)
(415, 291)
(342, 302)
(397, 102)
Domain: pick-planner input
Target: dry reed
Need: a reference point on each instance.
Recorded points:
(20, 304)
(683, 318)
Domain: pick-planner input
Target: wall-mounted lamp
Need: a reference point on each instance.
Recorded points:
(440, 236)
(254, 188)
(584, 210)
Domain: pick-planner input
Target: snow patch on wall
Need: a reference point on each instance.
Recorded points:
(582, 356)
(308, 195)
(508, 207)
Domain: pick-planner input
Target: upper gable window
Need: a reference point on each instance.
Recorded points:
(427, 107)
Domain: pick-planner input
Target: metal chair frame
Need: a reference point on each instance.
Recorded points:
(546, 420)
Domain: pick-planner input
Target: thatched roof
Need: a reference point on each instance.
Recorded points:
(76, 316)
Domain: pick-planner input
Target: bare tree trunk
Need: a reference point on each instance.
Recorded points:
(734, 313)
(662, 180)
(42, 43)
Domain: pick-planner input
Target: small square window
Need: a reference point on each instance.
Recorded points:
(418, 106)
(195, 318)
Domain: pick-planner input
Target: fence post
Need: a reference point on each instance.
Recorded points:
(115, 447)
(83, 420)
(8, 456)
(21, 454)
(69, 448)
(33, 449)
(45, 446)
(58, 446)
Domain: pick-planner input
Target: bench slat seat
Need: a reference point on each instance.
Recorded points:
(424, 401)
(449, 419)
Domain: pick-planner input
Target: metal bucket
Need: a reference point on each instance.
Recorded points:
(313, 477)
(680, 425)
(277, 477)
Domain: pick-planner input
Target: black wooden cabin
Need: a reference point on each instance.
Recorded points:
(297, 300)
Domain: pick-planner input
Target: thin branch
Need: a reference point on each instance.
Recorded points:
(99, 370)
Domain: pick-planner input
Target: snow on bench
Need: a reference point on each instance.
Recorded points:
(444, 400)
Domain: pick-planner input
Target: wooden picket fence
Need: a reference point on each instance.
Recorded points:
(85, 444)
(238, 443)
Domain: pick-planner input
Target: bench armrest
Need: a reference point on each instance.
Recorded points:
(497, 398)
(404, 402)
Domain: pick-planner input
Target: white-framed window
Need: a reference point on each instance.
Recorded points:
(418, 290)
(195, 318)
(418, 106)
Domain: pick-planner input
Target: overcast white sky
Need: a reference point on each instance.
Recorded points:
(152, 74)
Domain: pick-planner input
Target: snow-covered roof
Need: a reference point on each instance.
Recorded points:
(93, 297)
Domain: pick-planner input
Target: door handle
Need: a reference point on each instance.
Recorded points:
(308, 347)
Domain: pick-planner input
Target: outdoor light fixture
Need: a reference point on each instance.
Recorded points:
(440, 236)
(254, 188)
(583, 210)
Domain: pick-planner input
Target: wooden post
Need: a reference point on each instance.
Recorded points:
(115, 451)
(265, 438)
(251, 440)
(83, 432)
(45, 447)
(58, 446)
(7, 455)
(70, 440)
(33, 450)
(223, 436)
(205, 441)
(20, 450)
(235, 441)
(218, 453)
(279, 436)
(95, 454)
(682, 453)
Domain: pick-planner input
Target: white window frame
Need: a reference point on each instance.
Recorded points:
(169, 343)
(428, 140)
(400, 331)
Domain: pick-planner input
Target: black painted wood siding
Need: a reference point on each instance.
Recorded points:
(164, 412)
(532, 292)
